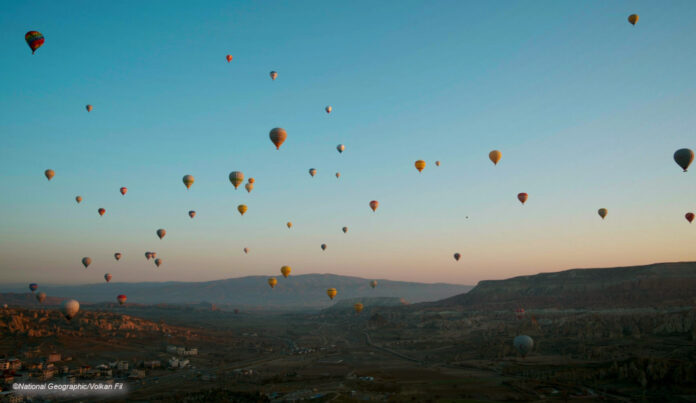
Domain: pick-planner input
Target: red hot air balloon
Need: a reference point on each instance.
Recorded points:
(374, 204)
(229, 58)
(34, 40)
(192, 213)
(522, 197)
(161, 233)
(121, 299)
(689, 217)
(101, 211)
(123, 190)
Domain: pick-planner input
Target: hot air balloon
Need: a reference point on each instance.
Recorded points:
(358, 307)
(246, 250)
(683, 157)
(33, 287)
(522, 197)
(272, 282)
(341, 148)
(70, 308)
(420, 165)
(121, 299)
(633, 19)
(153, 254)
(689, 217)
(331, 292)
(123, 190)
(519, 313)
(289, 224)
(457, 256)
(312, 171)
(236, 178)
(251, 180)
(323, 246)
(345, 229)
(602, 212)
(523, 344)
(34, 40)
(49, 174)
(78, 199)
(249, 187)
(89, 108)
(101, 211)
(273, 75)
(158, 262)
(192, 213)
(373, 283)
(161, 233)
(278, 136)
(229, 58)
(188, 181)
(437, 163)
(117, 256)
(328, 109)
(242, 208)
(148, 255)
(374, 204)
(86, 261)
(41, 297)
(338, 175)
(495, 156)
(285, 271)
(107, 277)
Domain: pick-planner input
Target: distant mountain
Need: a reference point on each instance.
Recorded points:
(294, 292)
(657, 285)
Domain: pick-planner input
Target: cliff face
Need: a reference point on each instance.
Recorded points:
(659, 285)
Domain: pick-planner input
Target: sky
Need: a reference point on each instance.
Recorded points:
(586, 109)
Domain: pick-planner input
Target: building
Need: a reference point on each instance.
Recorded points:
(152, 364)
(136, 374)
(53, 357)
(122, 366)
(171, 349)
(15, 364)
(4, 365)
(191, 351)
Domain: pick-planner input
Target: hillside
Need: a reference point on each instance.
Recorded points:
(656, 285)
(295, 292)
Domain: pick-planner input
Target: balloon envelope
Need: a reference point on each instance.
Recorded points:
(345, 229)
(633, 19)
(49, 174)
(683, 157)
(188, 181)
(123, 190)
(101, 211)
(236, 178)
(78, 199)
(33, 287)
(602, 212)
(70, 308)
(495, 156)
(358, 307)
(34, 40)
(289, 224)
(121, 299)
(374, 204)
(340, 148)
(192, 213)
(285, 271)
(117, 255)
(89, 108)
(689, 217)
(331, 292)
(246, 250)
(437, 163)
(522, 197)
(242, 208)
(328, 109)
(161, 233)
(523, 344)
(229, 58)
(457, 256)
(323, 246)
(107, 277)
(272, 282)
(312, 172)
(278, 136)
(249, 187)
(273, 75)
(158, 262)
(373, 283)
(41, 297)
(420, 165)
(86, 261)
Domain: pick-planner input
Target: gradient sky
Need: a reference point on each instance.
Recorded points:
(586, 109)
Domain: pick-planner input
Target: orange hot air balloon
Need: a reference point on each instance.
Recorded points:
(437, 163)
(246, 250)
(272, 282)
(289, 224)
(522, 197)
(358, 307)
(374, 204)
(101, 211)
(89, 108)
(251, 180)
(153, 254)
(312, 171)
(633, 19)
(323, 246)
(338, 175)
(274, 75)
(78, 199)
(278, 136)
(345, 229)
(161, 233)
(123, 190)
(285, 271)
(328, 109)
(689, 217)
(495, 156)
(236, 178)
(188, 181)
(121, 299)
(242, 208)
(107, 277)
(420, 165)
(229, 58)
(117, 256)
(49, 174)
(249, 187)
(602, 212)
(192, 213)
(86, 262)
(158, 262)
(331, 292)
(457, 256)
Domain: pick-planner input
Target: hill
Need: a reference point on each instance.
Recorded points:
(295, 292)
(657, 285)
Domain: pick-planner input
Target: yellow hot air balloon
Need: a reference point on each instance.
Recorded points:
(633, 19)
(236, 178)
(188, 181)
(285, 271)
(272, 282)
(602, 212)
(495, 156)
(289, 224)
(331, 292)
(242, 208)
(420, 165)
(251, 180)
(249, 187)
(358, 307)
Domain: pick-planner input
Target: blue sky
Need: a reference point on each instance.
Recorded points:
(586, 109)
